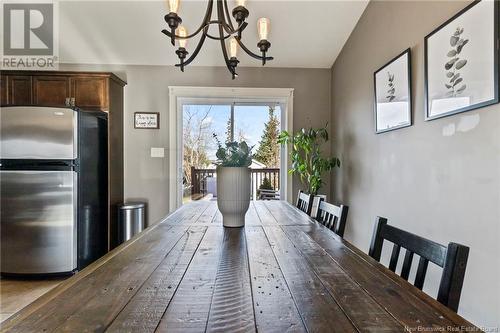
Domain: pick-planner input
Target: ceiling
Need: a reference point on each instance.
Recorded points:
(306, 34)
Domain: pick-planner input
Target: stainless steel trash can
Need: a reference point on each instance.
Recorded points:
(131, 219)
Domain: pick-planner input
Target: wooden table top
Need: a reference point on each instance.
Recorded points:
(283, 272)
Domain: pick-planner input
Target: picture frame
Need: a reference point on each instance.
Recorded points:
(461, 61)
(393, 94)
(146, 120)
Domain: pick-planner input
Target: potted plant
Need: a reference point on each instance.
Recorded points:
(306, 157)
(233, 181)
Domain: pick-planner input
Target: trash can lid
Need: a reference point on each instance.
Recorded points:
(131, 205)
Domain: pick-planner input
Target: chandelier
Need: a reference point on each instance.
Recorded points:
(227, 33)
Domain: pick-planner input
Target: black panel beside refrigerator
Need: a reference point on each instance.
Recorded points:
(53, 189)
(92, 232)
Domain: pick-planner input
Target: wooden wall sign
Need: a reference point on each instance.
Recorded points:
(147, 120)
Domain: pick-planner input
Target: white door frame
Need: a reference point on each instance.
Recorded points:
(179, 95)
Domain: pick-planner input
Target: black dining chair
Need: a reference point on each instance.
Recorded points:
(452, 258)
(305, 202)
(333, 217)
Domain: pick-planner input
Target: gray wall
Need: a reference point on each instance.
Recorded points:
(440, 179)
(147, 90)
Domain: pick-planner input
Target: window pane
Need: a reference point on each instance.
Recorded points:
(259, 126)
(199, 147)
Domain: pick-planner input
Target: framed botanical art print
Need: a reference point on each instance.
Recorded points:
(461, 61)
(393, 94)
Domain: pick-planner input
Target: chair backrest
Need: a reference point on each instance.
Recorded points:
(452, 258)
(305, 202)
(332, 217)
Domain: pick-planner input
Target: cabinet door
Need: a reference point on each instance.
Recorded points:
(50, 90)
(90, 92)
(3, 90)
(16, 90)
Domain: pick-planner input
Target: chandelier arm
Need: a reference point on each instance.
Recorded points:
(220, 14)
(204, 24)
(250, 53)
(196, 50)
(240, 28)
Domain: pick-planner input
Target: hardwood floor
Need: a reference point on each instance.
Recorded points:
(15, 294)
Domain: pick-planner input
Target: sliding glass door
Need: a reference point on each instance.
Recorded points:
(257, 123)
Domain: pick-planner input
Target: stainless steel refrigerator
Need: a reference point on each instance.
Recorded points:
(53, 189)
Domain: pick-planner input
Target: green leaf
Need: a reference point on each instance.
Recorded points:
(461, 89)
(452, 53)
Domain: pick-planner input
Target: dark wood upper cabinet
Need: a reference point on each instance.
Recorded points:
(51, 90)
(90, 92)
(86, 90)
(16, 90)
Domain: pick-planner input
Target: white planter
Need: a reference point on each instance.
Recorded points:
(233, 194)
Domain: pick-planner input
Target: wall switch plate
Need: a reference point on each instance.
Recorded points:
(157, 152)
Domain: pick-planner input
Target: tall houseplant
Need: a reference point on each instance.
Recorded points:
(307, 160)
(233, 181)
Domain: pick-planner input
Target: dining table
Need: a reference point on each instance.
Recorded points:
(281, 272)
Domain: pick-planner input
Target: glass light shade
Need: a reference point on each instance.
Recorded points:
(173, 5)
(233, 48)
(241, 2)
(263, 27)
(182, 32)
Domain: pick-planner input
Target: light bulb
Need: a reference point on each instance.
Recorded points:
(263, 27)
(241, 2)
(173, 5)
(233, 48)
(182, 32)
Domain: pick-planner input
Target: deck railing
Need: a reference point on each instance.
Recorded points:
(201, 177)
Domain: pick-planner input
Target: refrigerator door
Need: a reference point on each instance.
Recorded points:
(38, 133)
(38, 221)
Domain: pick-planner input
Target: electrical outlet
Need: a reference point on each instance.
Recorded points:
(157, 152)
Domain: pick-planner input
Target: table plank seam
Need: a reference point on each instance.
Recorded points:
(181, 216)
(320, 279)
(354, 281)
(162, 260)
(419, 294)
(214, 284)
(250, 278)
(407, 292)
(60, 326)
(148, 277)
(416, 294)
(183, 274)
(277, 262)
(400, 283)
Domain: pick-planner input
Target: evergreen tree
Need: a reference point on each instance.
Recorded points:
(269, 149)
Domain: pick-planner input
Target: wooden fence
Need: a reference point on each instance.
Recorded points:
(199, 180)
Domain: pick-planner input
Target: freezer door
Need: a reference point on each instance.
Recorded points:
(38, 133)
(38, 221)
